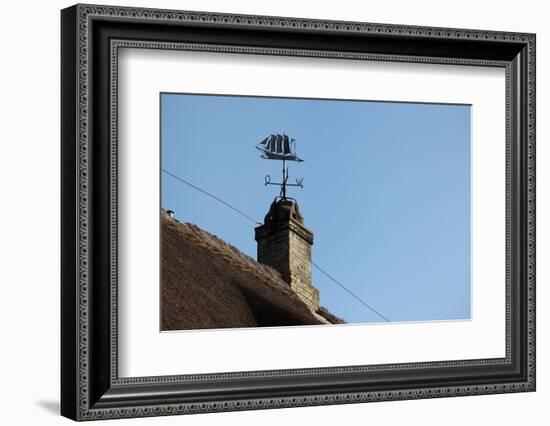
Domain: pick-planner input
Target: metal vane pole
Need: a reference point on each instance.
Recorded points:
(283, 186)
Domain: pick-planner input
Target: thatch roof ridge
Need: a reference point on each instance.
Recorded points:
(218, 247)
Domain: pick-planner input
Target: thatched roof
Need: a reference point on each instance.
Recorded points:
(207, 283)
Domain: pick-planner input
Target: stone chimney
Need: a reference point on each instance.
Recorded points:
(284, 243)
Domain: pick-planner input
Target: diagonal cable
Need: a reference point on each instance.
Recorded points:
(350, 292)
(212, 196)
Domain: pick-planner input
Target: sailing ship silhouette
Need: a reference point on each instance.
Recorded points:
(279, 147)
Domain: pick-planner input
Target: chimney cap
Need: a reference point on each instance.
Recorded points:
(283, 210)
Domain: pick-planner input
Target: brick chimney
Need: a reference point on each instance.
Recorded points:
(284, 243)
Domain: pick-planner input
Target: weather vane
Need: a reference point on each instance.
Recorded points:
(280, 147)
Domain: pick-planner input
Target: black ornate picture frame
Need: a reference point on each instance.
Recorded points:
(90, 384)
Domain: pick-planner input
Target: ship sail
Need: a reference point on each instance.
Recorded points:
(271, 145)
(264, 141)
(286, 147)
(278, 147)
(279, 144)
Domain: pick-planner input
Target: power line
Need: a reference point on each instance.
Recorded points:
(212, 196)
(350, 292)
(365, 304)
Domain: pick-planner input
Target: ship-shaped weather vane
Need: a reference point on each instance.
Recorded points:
(280, 147)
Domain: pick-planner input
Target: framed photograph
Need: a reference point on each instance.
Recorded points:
(263, 212)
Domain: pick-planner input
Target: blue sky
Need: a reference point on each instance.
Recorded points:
(386, 192)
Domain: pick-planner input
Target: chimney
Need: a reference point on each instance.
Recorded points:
(284, 243)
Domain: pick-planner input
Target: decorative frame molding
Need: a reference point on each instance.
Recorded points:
(91, 388)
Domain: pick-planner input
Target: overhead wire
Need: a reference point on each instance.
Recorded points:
(212, 196)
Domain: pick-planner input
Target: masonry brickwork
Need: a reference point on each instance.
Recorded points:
(284, 243)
